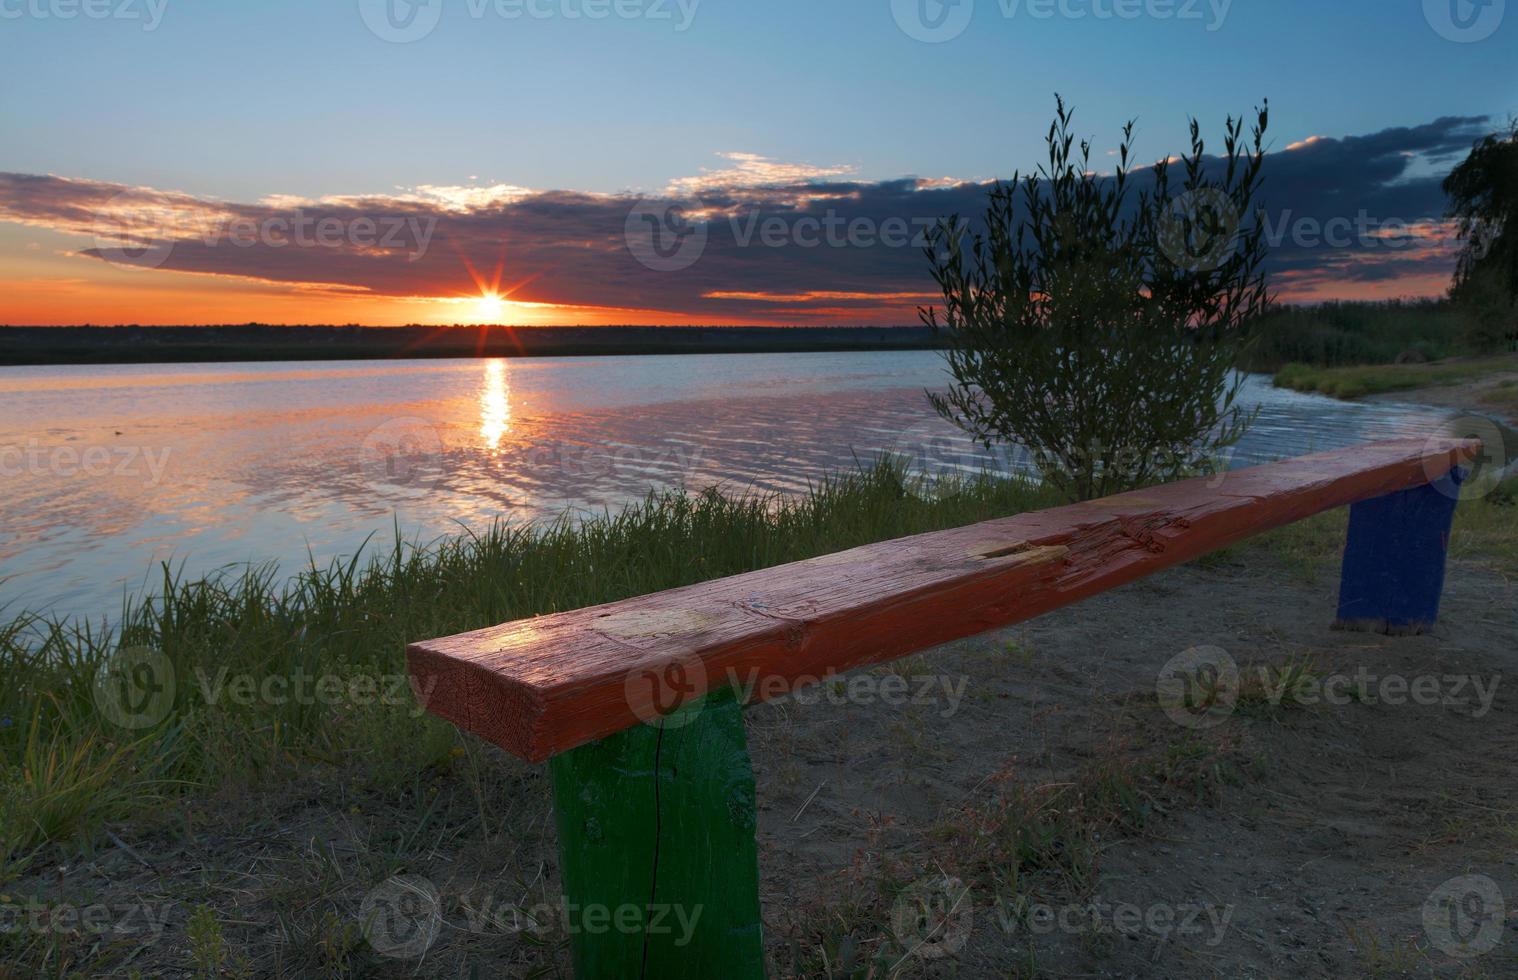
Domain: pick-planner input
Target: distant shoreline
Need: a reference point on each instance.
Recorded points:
(257, 342)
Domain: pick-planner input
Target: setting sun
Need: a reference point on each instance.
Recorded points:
(489, 308)
(526, 387)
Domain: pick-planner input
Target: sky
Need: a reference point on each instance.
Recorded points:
(679, 161)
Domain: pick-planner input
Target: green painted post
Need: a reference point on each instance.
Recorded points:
(657, 850)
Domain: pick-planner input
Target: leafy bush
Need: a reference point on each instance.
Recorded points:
(1100, 329)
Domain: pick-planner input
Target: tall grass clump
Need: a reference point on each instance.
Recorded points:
(1374, 379)
(237, 648)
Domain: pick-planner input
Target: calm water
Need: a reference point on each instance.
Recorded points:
(106, 470)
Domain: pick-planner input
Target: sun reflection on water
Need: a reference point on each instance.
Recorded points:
(495, 404)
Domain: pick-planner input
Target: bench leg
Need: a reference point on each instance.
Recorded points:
(657, 849)
(1394, 559)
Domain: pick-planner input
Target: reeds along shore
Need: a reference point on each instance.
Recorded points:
(268, 671)
(284, 714)
(269, 674)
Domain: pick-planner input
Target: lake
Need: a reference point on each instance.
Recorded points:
(106, 470)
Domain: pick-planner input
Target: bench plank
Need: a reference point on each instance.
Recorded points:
(542, 686)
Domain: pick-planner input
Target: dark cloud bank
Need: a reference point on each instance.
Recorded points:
(1345, 212)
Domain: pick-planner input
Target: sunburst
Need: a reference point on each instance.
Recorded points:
(489, 308)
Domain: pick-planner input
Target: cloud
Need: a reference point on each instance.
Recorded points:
(752, 170)
(783, 243)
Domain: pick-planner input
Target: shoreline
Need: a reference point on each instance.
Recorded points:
(1493, 397)
(1473, 388)
(1477, 396)
(1017, 764)
(86, 345)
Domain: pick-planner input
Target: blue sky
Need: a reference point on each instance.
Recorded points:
(242, 101)
(294, 96)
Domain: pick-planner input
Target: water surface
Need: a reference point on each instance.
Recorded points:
(105, 470)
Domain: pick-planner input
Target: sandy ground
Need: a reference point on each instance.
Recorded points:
(1315, 859)
(1022, 804)
(1371, 830)
(1494, 396)
(1471, 396)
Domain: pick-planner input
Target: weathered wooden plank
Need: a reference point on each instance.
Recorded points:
(543, 686)
(657, 849)
(1394, 558)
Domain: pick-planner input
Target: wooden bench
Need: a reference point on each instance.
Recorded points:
(637, 704)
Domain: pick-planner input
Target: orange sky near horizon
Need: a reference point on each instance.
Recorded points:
(58, 287)
(47, 302)
(113, 297)
(45, 281)
(55, 286)
(119, 297)
(94, 292)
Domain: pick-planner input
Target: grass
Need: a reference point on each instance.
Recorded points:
(63, 790)
(1021, 843)
(241, 648)
(1349, 350)
(1018, 845)
(1355, 382)
(1394, 957)
(1502, 397)
(1485, 532)
(1271, 691)
(401, 785)
(67, 771)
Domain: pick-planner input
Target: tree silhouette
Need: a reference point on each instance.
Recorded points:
(1483, 197)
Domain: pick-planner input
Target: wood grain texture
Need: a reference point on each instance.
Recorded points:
(542, 686)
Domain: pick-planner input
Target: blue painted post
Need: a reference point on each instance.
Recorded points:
(1394, 559)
